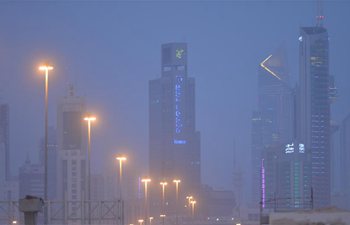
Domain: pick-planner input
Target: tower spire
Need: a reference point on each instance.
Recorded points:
(319, 15)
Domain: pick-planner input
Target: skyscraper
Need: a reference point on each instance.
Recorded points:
(174, 143)
(314, 108)
(271, 122)
(4, 143)
(71, 151)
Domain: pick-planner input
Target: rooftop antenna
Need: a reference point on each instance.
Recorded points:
(319, 17)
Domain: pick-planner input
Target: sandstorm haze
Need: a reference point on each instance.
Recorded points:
(110, 50)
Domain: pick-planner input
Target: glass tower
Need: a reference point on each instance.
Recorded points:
(174, 143)
(314, 108)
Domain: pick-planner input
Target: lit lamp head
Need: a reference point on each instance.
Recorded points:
(45, 68)
(120, 158)
(146, 180)
(162, 216)
(164, 183)
(177, 181)
(90, 118)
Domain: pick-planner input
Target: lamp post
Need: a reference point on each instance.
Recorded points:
(189, 199)
(163, 184)
(150, 220)
(146, 181)
(177, 182)
(192, 206)
(89, 119)
(46, 69)
(121, 159)
(163, 218)
(140, 221)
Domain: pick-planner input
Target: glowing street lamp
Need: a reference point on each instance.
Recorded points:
(189, 198)
(120, 159)
(89, 119)
(177, 182)
(150, 220)
(140, 221)
(192, 205)
(46, 69)
(163, 184)
(146, 181)
(162, 216)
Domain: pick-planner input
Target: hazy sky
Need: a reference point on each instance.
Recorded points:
(111, 49)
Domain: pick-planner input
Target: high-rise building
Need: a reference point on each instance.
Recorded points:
(314, 108)
(271, 122)
(71, 151)
(293, 190)
(344, 163)
(4, 143)
(174, 143)
(31, 179)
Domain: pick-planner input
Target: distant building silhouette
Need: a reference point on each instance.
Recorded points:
(4, 142)
(31, 175)
(174, 143)
(314, 108)
(344, 163)
(31, 179)
(72, 150)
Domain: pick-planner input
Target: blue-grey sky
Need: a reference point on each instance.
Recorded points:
(111, 49)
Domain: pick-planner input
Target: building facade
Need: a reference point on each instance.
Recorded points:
(174, 143)
(314, 108)
(31, 179)
(271, 124)
(72, 165)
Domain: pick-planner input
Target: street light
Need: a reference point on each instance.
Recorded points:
(121, 159)
(193, 204)
(89, 119)
(150, 220)
(163, 218)
(189, 198)
(140, 221)
(163, 184)
(46, 69)
(177, 182)
(146, 181)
